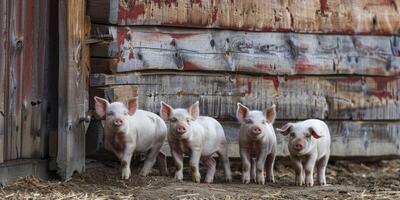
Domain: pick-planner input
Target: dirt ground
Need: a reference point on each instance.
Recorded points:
(346, 179)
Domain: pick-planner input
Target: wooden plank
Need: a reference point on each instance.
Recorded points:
(72, 84)
(3, 78)
(15, 62)
(319, 16)
(12, 170)
(297, 97)
(113, 93)
(349, 139)
(150, 48)
(28, 79)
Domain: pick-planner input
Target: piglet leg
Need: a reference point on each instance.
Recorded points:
(211, 166)
(321, 167)
(194, 165)
(246, 165)
(162, 164)
(270, 167)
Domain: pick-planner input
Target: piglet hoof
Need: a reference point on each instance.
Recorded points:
(209, 180)
(196, 179)
(245, 179)
(178, 176)
(143, 173)
(309, 184)
(299, 183)
(228, 179)
(260, 180)
(125, 174)
(270, 179)
(322, 183)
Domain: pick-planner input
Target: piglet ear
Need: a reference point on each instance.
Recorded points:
(101, 106)
(285, 129)
(132, 105)
(314, 133)
(194, 110)
(165, 111)
(241, 112)
(270, 114)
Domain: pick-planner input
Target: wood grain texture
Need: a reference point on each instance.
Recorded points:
(72, 84)
(297, 97)
(13, 170)
(349, 138)
(133, 49)
(113, 93)
(3, 79)
(319, 16)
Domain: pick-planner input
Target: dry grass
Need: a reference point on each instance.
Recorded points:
(348, 180)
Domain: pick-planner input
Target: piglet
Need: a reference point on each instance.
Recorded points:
(257, 140)
(199, 137)
(309, 144)
(128, 130)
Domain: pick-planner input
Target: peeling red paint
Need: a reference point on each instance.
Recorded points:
(198, 2)
(263, 67)
(214, 15)
(121, 35)
(132, 12)
(181, 35)
(324, 7)
(302, 68)
(274, 80)
(249, 87)
(187, 65)
(131, 55)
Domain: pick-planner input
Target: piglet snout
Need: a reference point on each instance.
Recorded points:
(256, 130)
(180, 129)
(298, 147)
(118, 122)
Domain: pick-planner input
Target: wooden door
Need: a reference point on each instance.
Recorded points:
(73, 93)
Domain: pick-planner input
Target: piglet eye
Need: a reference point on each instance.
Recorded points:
(248, 121)
(174, 120)
(263, 122)
(109, 113)
(126, 113)
(292, 135)
(188, 120)
(308, 136)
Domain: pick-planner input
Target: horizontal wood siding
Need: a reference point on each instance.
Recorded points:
(297, 97)
(133, 49)
(312, 16)
(335, 60)
(349, 138)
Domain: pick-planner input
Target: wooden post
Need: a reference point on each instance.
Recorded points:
(72, 90)
(3, 40)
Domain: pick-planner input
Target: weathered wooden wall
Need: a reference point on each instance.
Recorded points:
(297, 97)
(334, 60)
(130, 49)
(25, 68)
(311, 16)
(23, 65)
